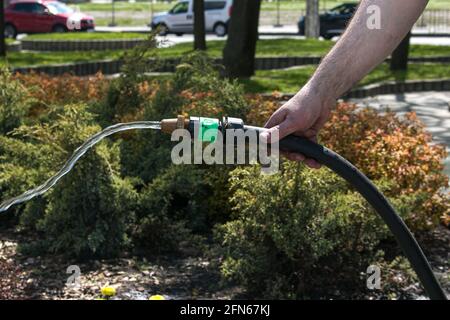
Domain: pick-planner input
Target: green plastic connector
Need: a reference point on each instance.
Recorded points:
(207, 124)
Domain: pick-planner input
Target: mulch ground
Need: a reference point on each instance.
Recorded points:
(46, 277)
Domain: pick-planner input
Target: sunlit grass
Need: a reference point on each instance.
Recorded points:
(122, 21)
(265, 48)
(145, 6)
(21, 59)
(291, 80)
(293, 47)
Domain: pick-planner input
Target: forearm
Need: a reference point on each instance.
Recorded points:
(361, 49)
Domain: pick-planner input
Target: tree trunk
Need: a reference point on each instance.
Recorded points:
(312, 21)
(239, 51)
(2, 30)
(399, 58)
(199, 25)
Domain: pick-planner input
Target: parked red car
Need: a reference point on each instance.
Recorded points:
(37, 16)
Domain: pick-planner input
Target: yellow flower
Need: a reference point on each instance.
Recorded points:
(108, 291)
(157, 297)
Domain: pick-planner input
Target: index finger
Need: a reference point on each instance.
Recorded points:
(276, 118)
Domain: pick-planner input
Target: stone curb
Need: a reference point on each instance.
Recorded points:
(80, 45)
(169, 64)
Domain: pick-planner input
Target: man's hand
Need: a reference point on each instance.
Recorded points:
(303, 115)
(358, 51)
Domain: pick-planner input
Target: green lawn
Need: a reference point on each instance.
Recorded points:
(292, 47)
(290, 80)
(144, 7)
(273, 47)
(86, 36)
(327, 4)
(125, 6)
(286, 5)
(265, 48)
(21, 59)
(130, 21)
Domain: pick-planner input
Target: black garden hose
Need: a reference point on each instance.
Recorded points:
(310, 149)
(378, 201)
(347, 171)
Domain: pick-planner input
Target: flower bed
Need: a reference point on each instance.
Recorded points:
(297, 234)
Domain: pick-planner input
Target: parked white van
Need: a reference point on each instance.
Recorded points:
(180, 19)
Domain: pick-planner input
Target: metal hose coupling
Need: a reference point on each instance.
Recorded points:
(198, 126)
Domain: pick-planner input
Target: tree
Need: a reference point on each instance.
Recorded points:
(199, 25)
(2, 30)
(312, 21)
(399, 58)
(239, 51)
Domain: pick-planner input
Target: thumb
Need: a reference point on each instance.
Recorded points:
(278, 132)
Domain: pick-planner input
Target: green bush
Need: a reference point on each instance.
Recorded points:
(124, 101)
(23, 165)
(14, 102)
(85, 214)
(299, 233)
(196, 89)
(182, 204)
(180, 201)
(177, 203)
(92, 211)
(170, 210)
(296, 234)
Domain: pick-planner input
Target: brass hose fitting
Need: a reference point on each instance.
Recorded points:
(170, 125)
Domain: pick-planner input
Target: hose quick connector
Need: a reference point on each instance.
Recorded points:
(204, 129)
(170, 125)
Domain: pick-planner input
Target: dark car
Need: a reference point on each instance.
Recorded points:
(333, 21)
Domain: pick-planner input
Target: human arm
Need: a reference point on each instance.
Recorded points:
(358, 51)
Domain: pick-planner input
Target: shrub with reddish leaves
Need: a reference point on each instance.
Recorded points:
(385, 146)
(64, 89)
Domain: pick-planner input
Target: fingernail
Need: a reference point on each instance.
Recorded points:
(264, 136)
(312, 164)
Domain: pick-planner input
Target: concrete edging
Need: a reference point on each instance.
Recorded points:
(16, 46)
(107, 67)
(80, 45)
(393, 87)
(78, 69)
(169, 64)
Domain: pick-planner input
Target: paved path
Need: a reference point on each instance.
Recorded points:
(433, 108)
